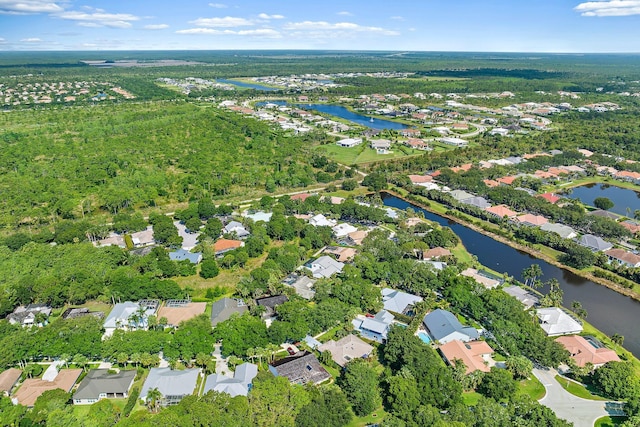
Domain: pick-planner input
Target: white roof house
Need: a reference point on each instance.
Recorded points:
(349, 142)
(564, 231)
(236, 227)
(555, 322)
(398, 301)
(325, 266)
(321, 221)
(122, 317)
(172, 385)
(238, 385)
(143, 238)
(343, 229)
(594, 243)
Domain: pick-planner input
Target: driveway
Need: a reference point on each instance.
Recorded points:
(581, 412)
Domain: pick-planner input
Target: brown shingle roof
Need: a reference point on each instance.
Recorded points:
(32, 388)
(175, 315)
(8, 379)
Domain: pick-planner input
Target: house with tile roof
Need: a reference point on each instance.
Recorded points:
(531, 220)
(585, 351)
(103, 384)
(623, 257)
(501, 211)
(33, 388)
(222, 246)
(435, 253)
(550, 197)
(346, 349)
(301, 284)
(473, 354)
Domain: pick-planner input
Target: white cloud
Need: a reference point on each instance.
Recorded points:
(156, 26)
(99, 18)
(344, 13)
(260, 32)
(218, 5)
(31, 40)
(265, 16)
(397, 18)
(609, 8)
(226, 22)
(340, 27)
(29, 6)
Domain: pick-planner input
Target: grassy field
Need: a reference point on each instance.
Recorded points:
(578, 390)
(471, 398)
(532, 387)
(609, 421)
(376, 417)
(362, 154)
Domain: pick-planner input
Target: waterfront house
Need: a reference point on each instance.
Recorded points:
(501, 211)
(623, 257)
(585, 351)
(595, 243)
(556, 322)
(528, 299)
(562, 230)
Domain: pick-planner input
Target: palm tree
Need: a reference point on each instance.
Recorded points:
(617, 339)
(531, 273)
(153, 399)
(577, 308)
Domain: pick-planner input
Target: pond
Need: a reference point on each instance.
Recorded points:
(248, 85)
(344, 113)
(625, 201)
(607, 310)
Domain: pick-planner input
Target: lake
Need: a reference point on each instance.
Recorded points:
(607, 310)
(621, 197)
(344, 113)
(248, 85)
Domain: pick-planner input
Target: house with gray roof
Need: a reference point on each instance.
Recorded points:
(172, 385)
(595, 243)
(564, 231)
(103, 384)
(325, 266)
(302, 285)
(527, 298)
(181, 255)
(238, 385)
(301, 368)
(270, 303)
(398, 301)
(237, 228)
(223, 309)
(477, 201)
(26, 316)
(443, 326)
(375, 327)
(556, 322)
(346, 349)
(605, 214)
(460, 195)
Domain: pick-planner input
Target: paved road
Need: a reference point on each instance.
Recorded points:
(581, 412)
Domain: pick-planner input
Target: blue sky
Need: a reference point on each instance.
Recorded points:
(425, 25)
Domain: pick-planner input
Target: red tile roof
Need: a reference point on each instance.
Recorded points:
(501, 211)
(583, 351)
(549, 197)
(469, 353)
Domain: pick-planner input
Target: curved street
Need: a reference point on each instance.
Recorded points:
(581, 412)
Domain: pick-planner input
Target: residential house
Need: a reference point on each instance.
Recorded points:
(76, 312)
(301, 284)
(301, 197)
(346, 349)
(475, 355)
(182, 255)
(631, 225)
(178, 311)
(531, 220)
(628, 176)
(501, 211)
(222, 310)
(550, 197)
(114, 239)
(129, 316)
(416, 144)
(460, 195)
(340, 253)
(320, 220)
(172, 385)
(258, 216)
(507, 180)
(343, 229)
(410, 133)
(490, 182)
(527, 298)
(564, 231)
(382, 146)
(435, 253)
(595, 243)
(349, 142)
(238, 385)
(270, 303)
(499, 131)
(8, 380)
(486, 279)
(355, 238)
(456, 142)
(623, 257)
(143, 238)
(399, 302)
(103, 384)
(301, 368)
(477, 201)
(555, 322)
(375, 327)
(222, 246)
(33, 388)
(28, 316)
(420, 179)
(585, 351)
(604, 214)
(237, 228)
(325, 266)
(443, 326)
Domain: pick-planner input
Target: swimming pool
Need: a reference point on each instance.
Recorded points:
(424, 337)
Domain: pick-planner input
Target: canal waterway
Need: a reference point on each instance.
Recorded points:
(622, 198)
(607, 310)
(344, 113)
(248, 85)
